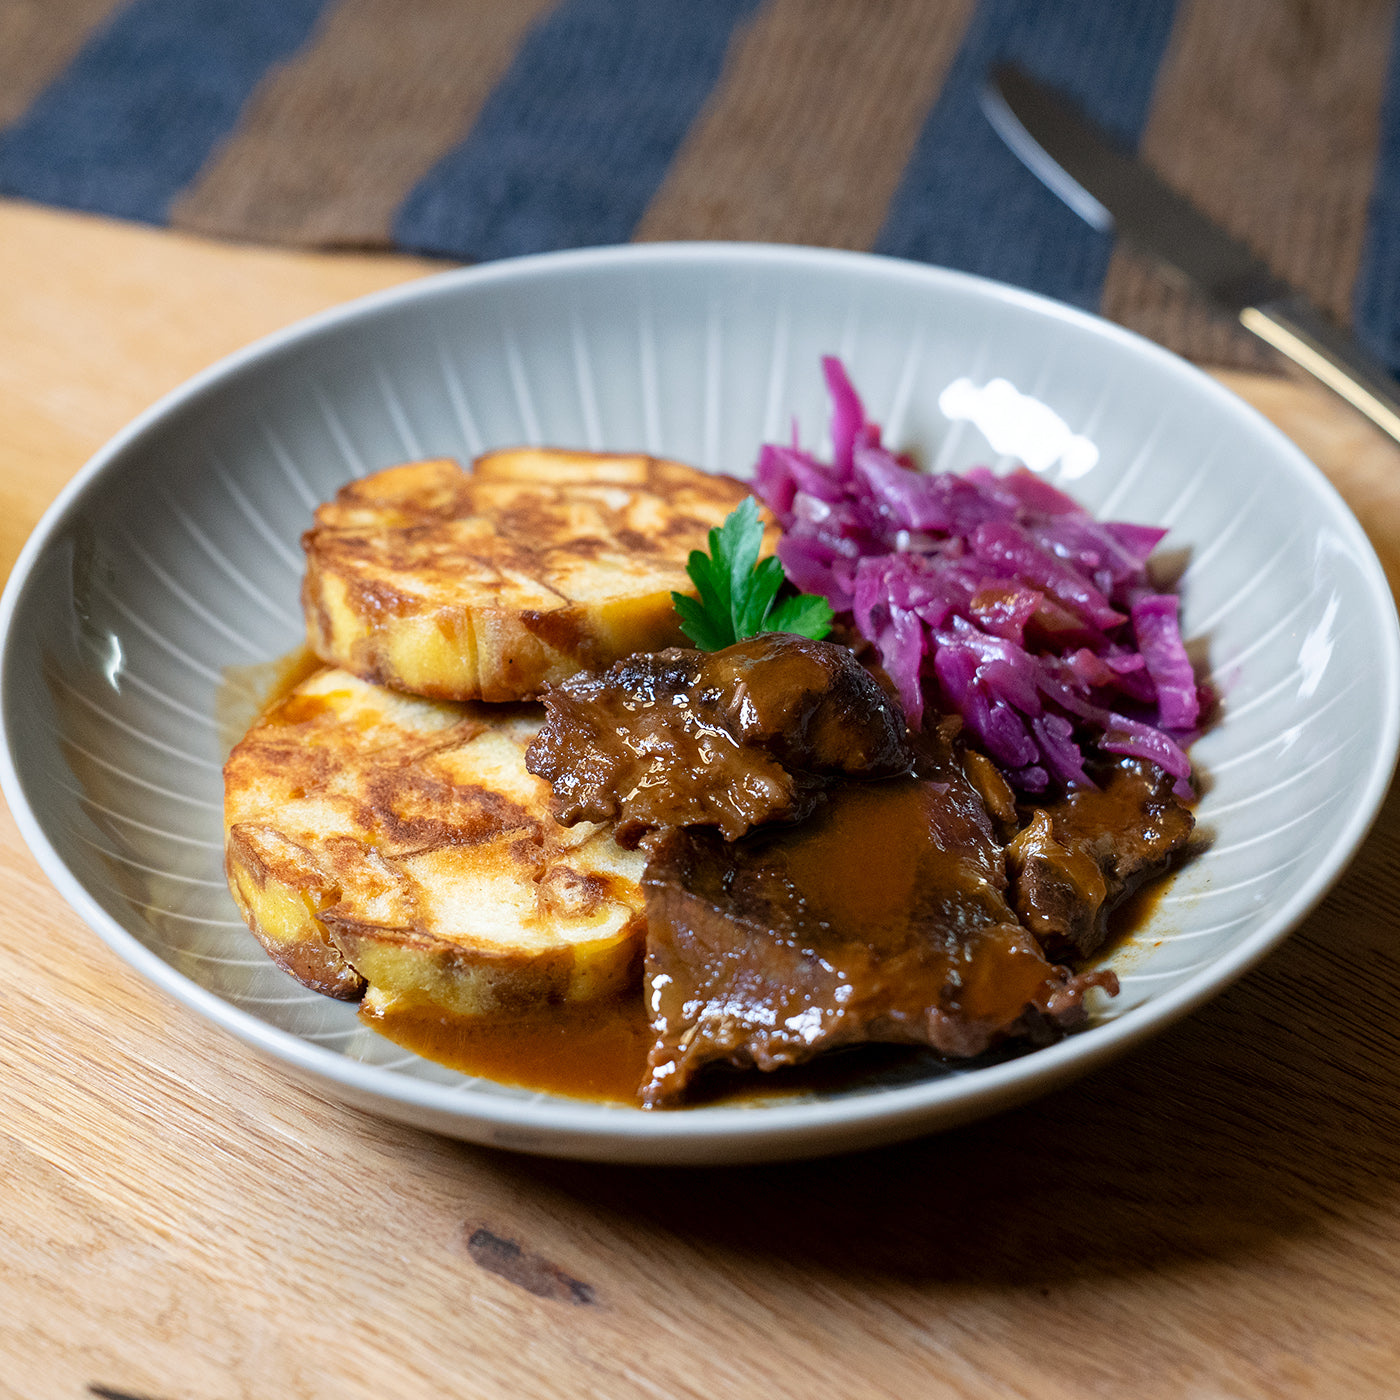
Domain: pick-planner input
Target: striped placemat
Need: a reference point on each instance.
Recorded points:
(479, 129)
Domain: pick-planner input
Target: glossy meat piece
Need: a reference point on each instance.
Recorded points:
(1081, 856)
(729, 739)
(882, 917)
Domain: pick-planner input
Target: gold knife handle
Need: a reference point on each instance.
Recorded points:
(1295, 328)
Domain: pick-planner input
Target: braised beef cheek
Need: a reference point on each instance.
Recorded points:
(882, 917)
(1084, 854)
(727, 739)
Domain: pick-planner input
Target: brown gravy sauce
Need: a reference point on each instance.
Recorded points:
(598, 1051)
(1132, 916)
(249, 692)
(592, 1051)
(599, 1054)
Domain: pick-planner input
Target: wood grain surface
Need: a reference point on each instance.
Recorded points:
(1216, 1215)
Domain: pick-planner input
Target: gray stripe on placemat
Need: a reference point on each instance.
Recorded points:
(1273, 130)
(807, 134)
(333, 141)
(37, 40)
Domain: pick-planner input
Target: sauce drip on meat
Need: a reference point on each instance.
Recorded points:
(880, 918)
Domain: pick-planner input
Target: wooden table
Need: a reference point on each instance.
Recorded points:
(1216, 1215)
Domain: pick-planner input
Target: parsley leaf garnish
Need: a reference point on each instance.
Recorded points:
(738, 592)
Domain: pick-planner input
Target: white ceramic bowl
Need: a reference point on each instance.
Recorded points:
(171, 563)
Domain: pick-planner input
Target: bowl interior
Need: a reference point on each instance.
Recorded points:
(148, 613)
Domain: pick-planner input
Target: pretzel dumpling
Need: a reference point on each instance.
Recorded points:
(397, 848)
(492, 584)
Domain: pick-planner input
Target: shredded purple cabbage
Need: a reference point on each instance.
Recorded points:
(1037, 623)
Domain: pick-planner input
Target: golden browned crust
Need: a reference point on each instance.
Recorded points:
(397, 847)
(281, 896)
(493, 584)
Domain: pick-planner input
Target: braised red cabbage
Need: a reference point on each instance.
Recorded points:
(1037, 623)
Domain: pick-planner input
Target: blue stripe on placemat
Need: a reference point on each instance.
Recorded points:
(569, 148)
(130, 121)
(965, 201)
(1376, 297)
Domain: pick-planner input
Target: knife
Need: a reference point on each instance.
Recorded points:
(1108, 188)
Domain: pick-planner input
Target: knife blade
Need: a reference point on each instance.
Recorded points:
(1110, 189)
